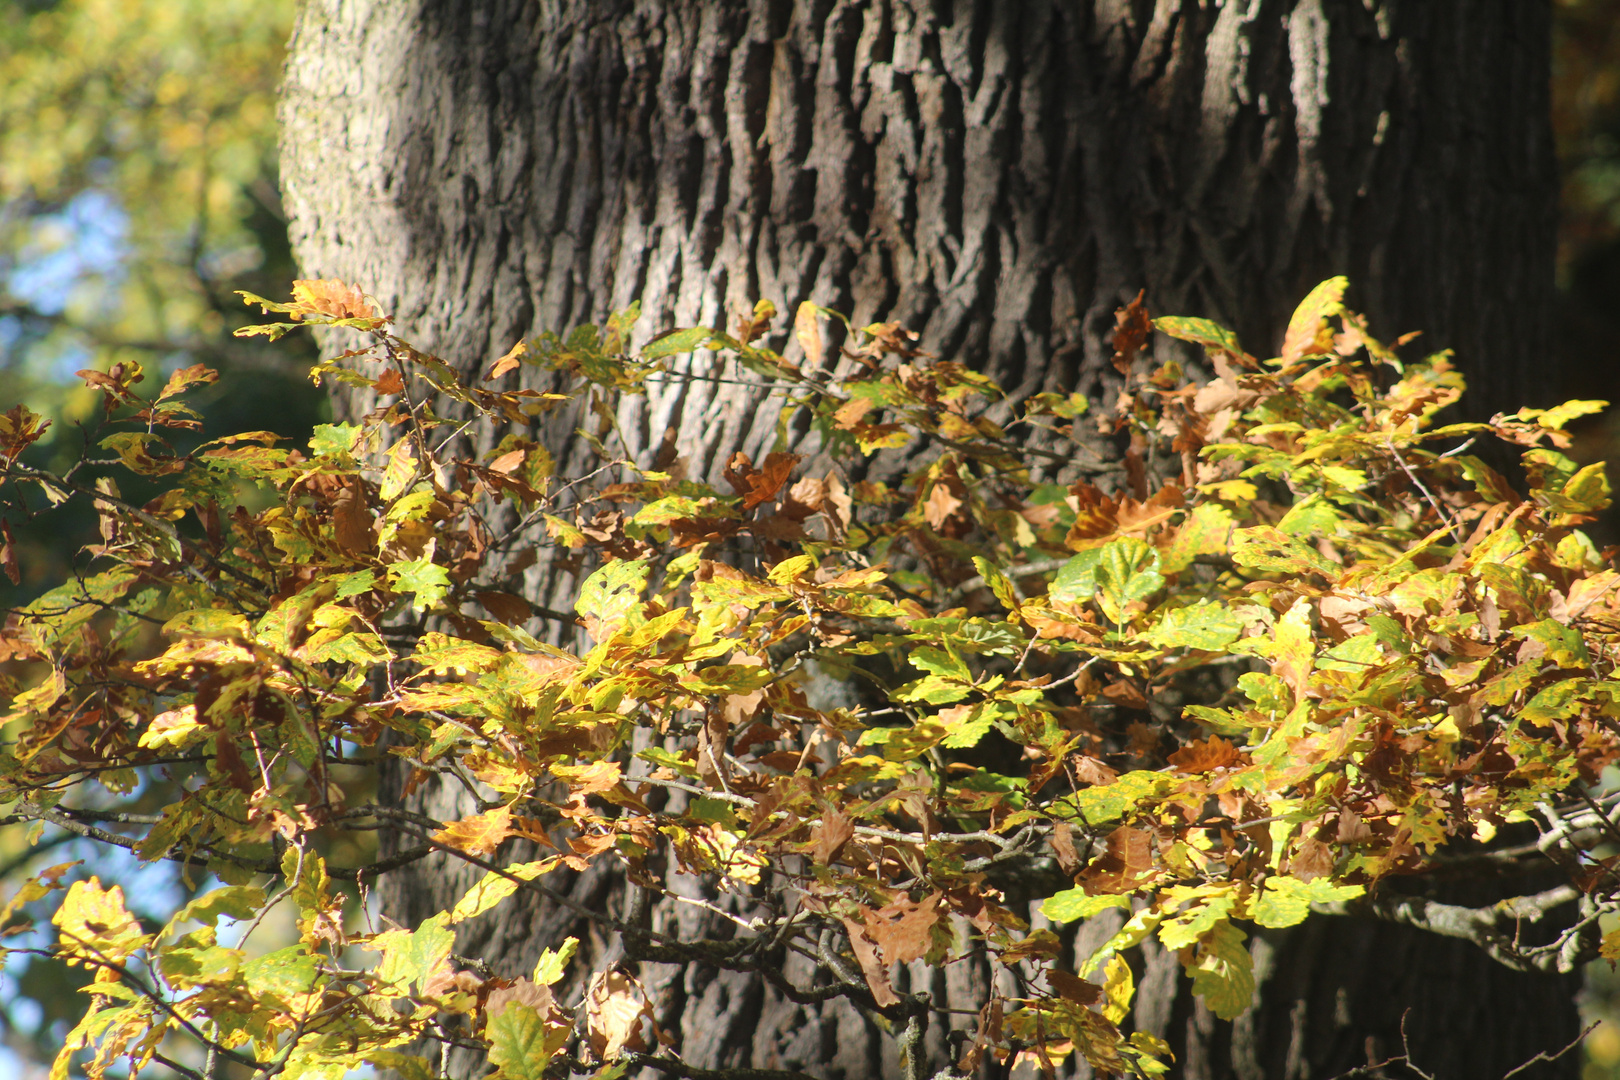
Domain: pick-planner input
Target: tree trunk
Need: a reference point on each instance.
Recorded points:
(1001, 177)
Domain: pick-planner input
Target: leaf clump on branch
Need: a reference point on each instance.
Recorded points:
(1308, 647)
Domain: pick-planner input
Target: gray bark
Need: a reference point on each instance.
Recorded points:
(1000, 176)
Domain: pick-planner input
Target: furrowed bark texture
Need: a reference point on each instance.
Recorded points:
(999, 176)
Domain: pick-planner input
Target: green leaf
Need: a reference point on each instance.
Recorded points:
(235, 901)
(1207, 531)
(939, 662)
(1559, 701)
(356, 584)
(612, 594)
(554, 962)
(676, 341)
(1564, 644)
(184, 967)
(933, 689)
(1126, 570)
(1313, 515)
(1110, 802)
(1223, 972)
(521, 1044)
(1134, 932)
(1285, 901)
(412, 955)
(967, 732)
(999, 584)
(1354, 655)
(335, 440)
(1305, 325)
(1210, 335)
(282, 974)
(1272, 551)
(399, 472)
(1076, 581)
(1206, 625)
(425, 580)
(1072, 904)
(1211, 904)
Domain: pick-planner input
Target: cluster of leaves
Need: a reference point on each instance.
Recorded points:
(1309, 643)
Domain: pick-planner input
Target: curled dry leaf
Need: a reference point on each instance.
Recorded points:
(866, 954)
(615, 1006)
(525, 992)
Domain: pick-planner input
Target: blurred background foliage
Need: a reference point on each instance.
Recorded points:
(138, 190)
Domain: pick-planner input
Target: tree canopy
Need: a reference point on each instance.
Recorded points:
(1311, 647)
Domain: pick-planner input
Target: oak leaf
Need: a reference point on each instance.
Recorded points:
(1205, 756)
(615, 1006)
(903, 930)
(480, 834)
(1125, 865)
(866, 954)
(332, 297)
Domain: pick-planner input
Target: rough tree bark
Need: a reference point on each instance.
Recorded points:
(1000, 176)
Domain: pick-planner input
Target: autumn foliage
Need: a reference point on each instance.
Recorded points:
(1298, 643)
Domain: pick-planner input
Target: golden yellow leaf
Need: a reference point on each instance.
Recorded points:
(94, 924)
(480, 834)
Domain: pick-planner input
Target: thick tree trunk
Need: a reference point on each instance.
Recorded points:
(1000, 176)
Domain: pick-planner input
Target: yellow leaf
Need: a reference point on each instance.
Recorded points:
(1307, 335)
(809, 334)
(401, 469)
(480, 834)
(493, 888)
(174, 730)
(94, 924)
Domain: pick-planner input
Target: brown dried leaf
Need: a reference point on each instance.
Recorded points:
(389, 383)
(8, 554)
(1132, 325)
(615, 1005)
(186, 378)
(589, 779)
(509, 609)
(764, 483)
(848, 416)
(1063, 845)
(525, 992)
(804, 498)
(1205, 756)
(866, 954)
(1125, 865)
(903, 930)
(1311, 859)
(1092, 770)
(940, 505)
(838, 508)
(1073, 987)
(830, 836)
(351, 518)
(808, 333)
(508, 461)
